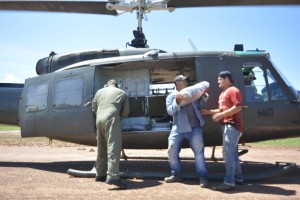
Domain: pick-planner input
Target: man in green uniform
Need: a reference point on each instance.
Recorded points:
(110, 105)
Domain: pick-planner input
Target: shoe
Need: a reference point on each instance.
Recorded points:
(100, 178)
(116, 182)
(238, 181)
(172, 179)
(203, 183)
(224, 187)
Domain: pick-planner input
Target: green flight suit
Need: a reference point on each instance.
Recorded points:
(110, 105)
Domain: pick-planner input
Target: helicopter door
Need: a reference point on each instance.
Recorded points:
(207, 68)
(58, 104)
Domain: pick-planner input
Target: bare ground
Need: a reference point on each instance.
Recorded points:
(36, 169)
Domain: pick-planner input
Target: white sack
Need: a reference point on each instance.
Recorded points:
(193, 93)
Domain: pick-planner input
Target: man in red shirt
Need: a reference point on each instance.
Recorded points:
(229, 114)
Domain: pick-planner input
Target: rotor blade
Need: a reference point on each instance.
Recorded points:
(206, 3)
(91, 7)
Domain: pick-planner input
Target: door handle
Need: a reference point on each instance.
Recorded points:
(88, 103)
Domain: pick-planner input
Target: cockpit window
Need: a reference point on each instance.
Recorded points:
(68, 93)
(37, 96)
(291, 87)
(260, 84)
(254, 82)
(275, 90)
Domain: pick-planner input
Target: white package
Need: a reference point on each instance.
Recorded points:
(193, 92)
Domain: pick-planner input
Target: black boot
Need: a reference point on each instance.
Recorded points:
(100, 178)
(116, 182)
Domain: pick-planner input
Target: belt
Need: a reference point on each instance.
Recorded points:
(229, 124)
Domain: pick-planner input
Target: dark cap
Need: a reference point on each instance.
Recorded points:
(180, 78)
(224, 74)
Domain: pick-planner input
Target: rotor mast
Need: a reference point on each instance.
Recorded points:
(139, 40)
(141, 7)
(140, 16)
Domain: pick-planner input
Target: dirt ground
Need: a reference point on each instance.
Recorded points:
(36, 169)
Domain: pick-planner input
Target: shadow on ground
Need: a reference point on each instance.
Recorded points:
(162, 166)
(155, 166)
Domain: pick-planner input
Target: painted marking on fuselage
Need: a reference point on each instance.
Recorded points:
(265, 112)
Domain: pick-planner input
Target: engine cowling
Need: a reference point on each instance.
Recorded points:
(57, 61)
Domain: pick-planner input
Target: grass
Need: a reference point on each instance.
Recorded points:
(4, 127)
(288, 142)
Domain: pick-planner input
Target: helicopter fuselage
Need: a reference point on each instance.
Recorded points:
(57, 103)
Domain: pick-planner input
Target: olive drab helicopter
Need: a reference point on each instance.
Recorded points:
(66, 83)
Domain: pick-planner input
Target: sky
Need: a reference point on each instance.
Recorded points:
(26, 37)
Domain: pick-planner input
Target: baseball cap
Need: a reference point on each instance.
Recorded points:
(180, 78)
(224, 74)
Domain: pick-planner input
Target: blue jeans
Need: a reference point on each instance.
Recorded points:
(195, 140)
(231, 138)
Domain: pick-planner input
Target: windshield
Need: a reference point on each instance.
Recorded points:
(294, 91)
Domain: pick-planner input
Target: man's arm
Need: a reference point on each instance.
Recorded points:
(94, 103)
(125, 108)
(209, 112)
(233, 110)
(172, 106)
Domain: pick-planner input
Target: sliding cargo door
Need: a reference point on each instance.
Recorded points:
(58, 104)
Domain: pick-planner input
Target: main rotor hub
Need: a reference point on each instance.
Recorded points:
(130, 6)
(141, 6)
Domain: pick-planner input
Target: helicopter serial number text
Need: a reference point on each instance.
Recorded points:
(265, 112)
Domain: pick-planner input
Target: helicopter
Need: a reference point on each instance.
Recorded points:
(66, 83)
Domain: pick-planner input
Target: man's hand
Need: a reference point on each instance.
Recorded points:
(179, 98)
(205, 111)
(217, 117)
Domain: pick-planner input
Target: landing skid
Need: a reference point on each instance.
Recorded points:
(212, 158)
(280, 169)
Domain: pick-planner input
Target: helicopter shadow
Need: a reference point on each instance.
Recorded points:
(57, 167)
(264, 186)
(63, 167)
(162, 167)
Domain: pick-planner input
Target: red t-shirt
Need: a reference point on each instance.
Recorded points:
(228, 98)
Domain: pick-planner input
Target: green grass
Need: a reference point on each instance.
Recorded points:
(4, 127)
(288, 142)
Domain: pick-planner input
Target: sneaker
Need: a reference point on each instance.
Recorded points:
(117, 183)
(224, 187)
(100, 178)
(203, 183)
(172, 179)
(238, 181)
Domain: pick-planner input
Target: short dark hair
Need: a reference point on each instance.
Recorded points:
(224, 74)
(112, 82)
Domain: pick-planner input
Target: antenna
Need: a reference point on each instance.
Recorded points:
(192, 44)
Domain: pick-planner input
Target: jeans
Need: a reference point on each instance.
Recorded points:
(231, 138)
(195, 140)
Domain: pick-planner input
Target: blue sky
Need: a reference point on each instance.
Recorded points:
(26, 37)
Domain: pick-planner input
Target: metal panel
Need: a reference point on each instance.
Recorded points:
(207, 69)
(74, 117)
(9, 102)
